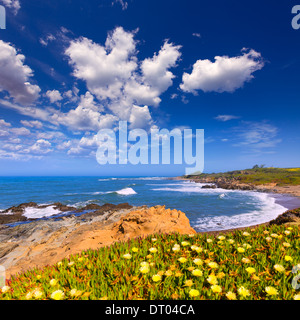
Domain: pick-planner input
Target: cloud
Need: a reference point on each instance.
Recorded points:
(115, 76)
(124, 4)
(256, 136)
(225, 74)
(15, 75)
(39, 147)
(12, 4)
(226, 117)
(196, 34)
(54, 96)
(32, 124)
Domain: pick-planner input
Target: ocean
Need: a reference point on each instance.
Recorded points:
(207, 209)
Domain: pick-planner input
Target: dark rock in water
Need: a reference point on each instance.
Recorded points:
(62, 207)
(209, 186)
(20, 208)
(11, 218)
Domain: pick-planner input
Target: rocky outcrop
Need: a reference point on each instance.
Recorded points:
(45, 242)
(289, 216)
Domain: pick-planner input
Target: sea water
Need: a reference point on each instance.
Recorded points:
(207, 209)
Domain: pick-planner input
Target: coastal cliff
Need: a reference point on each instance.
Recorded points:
(45, 242)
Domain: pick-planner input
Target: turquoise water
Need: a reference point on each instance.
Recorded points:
(207, 209)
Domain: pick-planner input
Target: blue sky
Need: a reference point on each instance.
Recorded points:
(71, 68)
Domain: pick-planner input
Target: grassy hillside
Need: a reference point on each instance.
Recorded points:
(258, 175)
(246, 264)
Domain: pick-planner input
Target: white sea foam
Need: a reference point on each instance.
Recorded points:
(35, 213)
(126, 191)
(267, 209)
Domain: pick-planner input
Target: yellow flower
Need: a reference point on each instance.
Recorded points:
(250, 270)
(153, 250)
(266, 232)
(75, 293)
(288, 258)
(231, 295)
(168, 273)
(240, 249)
(144, 269)
(297, 297)
(213, 265)
(286, 244)
(246, 234)
(212, 279)
(135, 249)
(216, 288)
(53, 282)
(144, 264)
(185, 243)
(274, 235)
(269, 239)
(182, 260)
(38, 277)
(149, 256)
(194, 293)
(197, 273)
(28, 296)
(127, 256)
(246, 260)
(156, 277)
(247, 246)
(176, 248)
(221, 238)
(37, 293)
(243, 291)
(188, 283)
(198, 262)
(221, 275)
(279, 267)
(59, 263)
(287, 232)
(5, 289)
(70, 263)
(209, 241)
(154, 239)
(178, 274)
(271, 291)
(57, 295)
(231, 241)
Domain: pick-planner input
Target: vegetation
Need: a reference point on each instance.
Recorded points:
(249, 264)
(258, 175)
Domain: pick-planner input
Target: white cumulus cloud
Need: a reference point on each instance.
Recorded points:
(15, 75)
(225, 74)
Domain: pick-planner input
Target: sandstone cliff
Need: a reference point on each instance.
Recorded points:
(46, 242)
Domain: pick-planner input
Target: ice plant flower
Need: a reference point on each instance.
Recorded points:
(37, 293)
(212, 279)
(287, 232)
(216, 288)
(246, 260)
(135, 249)
(279, 267)
(240, 249)
(246, 234)
(197, 273)
(198, 262)
(288, 258)
(156, 277)
(269, 239)
(182, 259)
(209, 241)
(144, 269)
(231, 295)
(274, 235)
(243, 292)
(286, 244)
(221, 238)
(230, 241)
(271, 291)
(5, 289)
(176, 248)
(127, 256)
(168, 273)
(188, 283)
(153, 250)
(213, 265)
(194, 293)
(250, 270)
(185, 243)
(57, 295)
(53, 282)
(296, 297)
